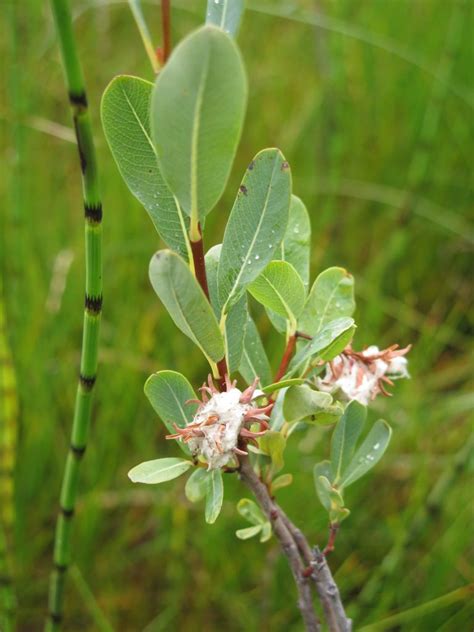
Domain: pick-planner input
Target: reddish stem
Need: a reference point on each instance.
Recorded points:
(166, 29)
(333, 529)
(197, 249)
(290, 347)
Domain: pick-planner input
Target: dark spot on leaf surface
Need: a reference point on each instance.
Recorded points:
(284, 165)
(252, 165)
(243, 189)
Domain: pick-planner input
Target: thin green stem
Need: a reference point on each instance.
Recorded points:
(92, 312)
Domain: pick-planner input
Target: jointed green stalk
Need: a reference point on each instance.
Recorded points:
(93, 306)
(8, 439)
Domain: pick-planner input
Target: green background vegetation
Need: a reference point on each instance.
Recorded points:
(370, 103)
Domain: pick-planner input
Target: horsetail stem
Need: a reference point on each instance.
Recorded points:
(92, 311)
(8, 439)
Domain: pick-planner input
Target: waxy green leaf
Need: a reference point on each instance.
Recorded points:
(303, 402)
(273, 444)
(197, 113)
(281, 481)
(249, 510)
(159, 470)
(277, 386)
(168, 392)
(331, 499)
(214, 496)
(254, 361)
(256, 224)
(196, 485)
(125, 111)
(186, 303)
(280, 288)
(248, 532)
(296, 244)
(369, 453)
(237, 317)
(333, 336)
(226, 14)
(331, 297)
(345, 437)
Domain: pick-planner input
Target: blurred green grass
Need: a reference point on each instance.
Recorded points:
(371, 104)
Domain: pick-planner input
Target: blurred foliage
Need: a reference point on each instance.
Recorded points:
(371, 103)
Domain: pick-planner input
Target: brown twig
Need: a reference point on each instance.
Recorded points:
(329, 594)
(166, 29)
(287, 542)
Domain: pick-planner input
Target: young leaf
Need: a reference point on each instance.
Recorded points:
(158, 471)
(186, 303)
(256, 224)
(254, 361)
(330, 497)
(295, 247)
(277, 418)
(327, 416)
(273, 444)
(168, 392)
(249, 510)
(369, 453)
(225, 14)
(237, 317)
(277, 386)
(302, 402)
(280, 288)
(215, 496)
(196, 485)
(248, 532)
(266, 533)
(197, 112)
(125, 112)
(345, 437)
(281, 481)
(330, 336)
(331, 297)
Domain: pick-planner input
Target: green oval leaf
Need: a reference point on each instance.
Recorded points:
(159, 470)
(331, 339)
(273, 444)
(281, 481)
(302, 402)
(197, 112)
(237, 317)
(196, 485)
(249, 510)
(248, 532)
(369, 453)
(345, 437)
(186, 303)
(215, 496)
(168, 392)
(256, 224)
(277, 386)
(226, 14)
(331, 297)
(254, 362)
(280, 288)
(125, 112)
(296, 244)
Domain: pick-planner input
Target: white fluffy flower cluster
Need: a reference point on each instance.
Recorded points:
(220, 422)
(362, 375)
(218, 440)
